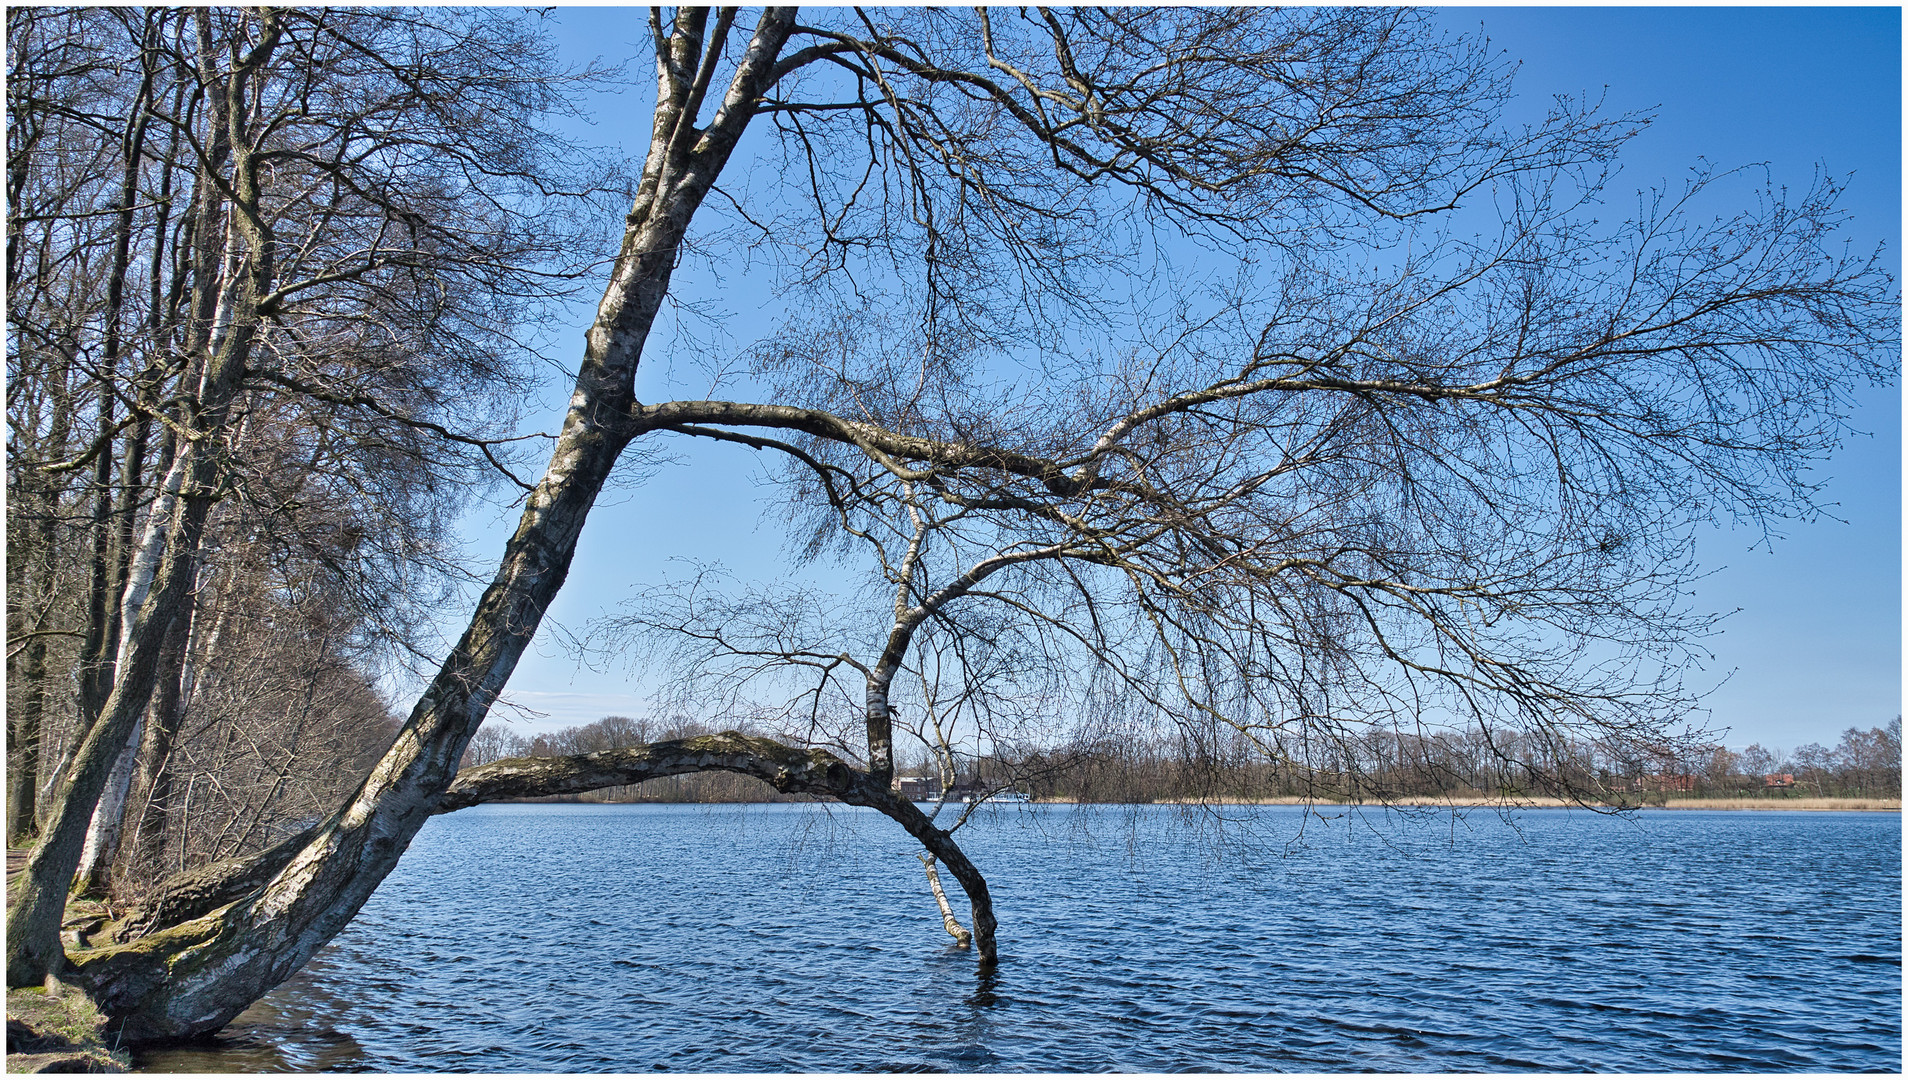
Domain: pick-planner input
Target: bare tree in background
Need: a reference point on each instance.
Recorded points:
(1431, 444)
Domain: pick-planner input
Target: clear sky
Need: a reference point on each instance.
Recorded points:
(1814, 645)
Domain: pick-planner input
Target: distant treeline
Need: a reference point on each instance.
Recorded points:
(1461, 765)
(1470, 764)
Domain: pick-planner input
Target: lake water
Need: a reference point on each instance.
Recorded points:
(578, 938)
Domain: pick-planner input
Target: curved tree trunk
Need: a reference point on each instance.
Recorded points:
(195, 910)
(787, 769)
(193, 978)
(231, 934)
(953, 926)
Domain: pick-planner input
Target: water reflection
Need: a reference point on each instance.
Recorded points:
(282, 1033)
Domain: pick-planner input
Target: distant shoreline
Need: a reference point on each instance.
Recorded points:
(1532, 802)
(1543, 802)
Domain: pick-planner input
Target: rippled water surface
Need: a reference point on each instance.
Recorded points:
(572, 938)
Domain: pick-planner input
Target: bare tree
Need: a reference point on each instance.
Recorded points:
(330, 328)
(1386, 472)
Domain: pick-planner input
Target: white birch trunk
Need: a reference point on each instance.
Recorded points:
(103, 832)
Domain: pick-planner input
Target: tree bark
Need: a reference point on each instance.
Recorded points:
(92, 877)
(151, 796)
(203, 890)
(102, 605)
(954, 928)
(23, 745)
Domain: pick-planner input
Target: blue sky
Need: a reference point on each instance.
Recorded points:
(1814, 645)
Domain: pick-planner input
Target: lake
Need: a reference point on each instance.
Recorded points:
(582, 938)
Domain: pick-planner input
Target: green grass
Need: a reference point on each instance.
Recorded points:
(65, 1026)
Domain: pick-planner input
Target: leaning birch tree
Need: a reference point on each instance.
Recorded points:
(1394, 462)
(261, 185)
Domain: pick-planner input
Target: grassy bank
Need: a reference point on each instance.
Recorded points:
(58, 1033)
(1804, 803)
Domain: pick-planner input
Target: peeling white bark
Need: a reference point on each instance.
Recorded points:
(954, 928)
(109, 817)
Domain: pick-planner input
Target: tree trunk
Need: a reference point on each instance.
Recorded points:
(40, 560)
(195, 977)
(35, 905)
(125, 979)
(93, 875)
(160, 542)
(102, 606)
(225, 963)
(787, 769)
(151, 796)
(954, 928)
(23, 745)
